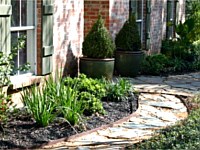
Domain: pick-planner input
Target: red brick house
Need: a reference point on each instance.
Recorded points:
(55, 29)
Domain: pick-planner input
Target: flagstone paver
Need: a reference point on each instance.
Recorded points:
(160, 105)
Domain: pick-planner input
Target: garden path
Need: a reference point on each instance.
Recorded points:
(161, 104)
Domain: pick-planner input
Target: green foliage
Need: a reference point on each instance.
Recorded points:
(196, 54)
(90, 103)
(193, 13)
(91, 91)
(128, 38)
(185, 135)
(39, 104)
(118, 91)
(6, 68)
(5, 102)
(98, 42)
(155, 64)
(70, 107)
(172, 49)
(7, 63)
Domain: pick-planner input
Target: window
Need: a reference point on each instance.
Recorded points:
(136, 7)
(23, 25)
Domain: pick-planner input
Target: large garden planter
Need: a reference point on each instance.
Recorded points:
(128, 63)
(97, 68)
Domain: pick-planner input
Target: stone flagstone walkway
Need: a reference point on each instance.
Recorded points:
(160, 105)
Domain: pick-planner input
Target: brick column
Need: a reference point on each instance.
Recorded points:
(39, 37)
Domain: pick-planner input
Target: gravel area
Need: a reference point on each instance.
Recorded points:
(21, 131)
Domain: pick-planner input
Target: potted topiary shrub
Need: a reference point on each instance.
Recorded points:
(128, 56)
(98, 49)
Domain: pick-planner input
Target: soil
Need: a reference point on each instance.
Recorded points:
(21, 131)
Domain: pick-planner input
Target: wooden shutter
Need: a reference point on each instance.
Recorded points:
(148, 20)
(5, 15)
(47, 37)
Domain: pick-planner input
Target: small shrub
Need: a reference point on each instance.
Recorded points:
(98, 42)
(155, 64)
(128, 38)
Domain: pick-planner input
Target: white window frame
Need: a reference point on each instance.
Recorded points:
(31, 37)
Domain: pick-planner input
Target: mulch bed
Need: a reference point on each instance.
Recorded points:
(21, 131)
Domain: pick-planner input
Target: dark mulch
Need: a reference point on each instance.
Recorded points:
(22, 132)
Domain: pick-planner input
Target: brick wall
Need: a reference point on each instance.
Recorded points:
(159, 21)
(68, 34)
(118, 12)
(114, 13)
(91, 10)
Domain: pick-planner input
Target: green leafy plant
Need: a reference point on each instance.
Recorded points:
(196, 54)
(193, 13)
(7, 64)
(118, 91)
(91, 104)
(98, 42)
(128, 38)
(5, 102)
(90, 92)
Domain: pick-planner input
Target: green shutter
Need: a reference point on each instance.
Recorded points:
(47, 37)
(148, 20)
(5, 15)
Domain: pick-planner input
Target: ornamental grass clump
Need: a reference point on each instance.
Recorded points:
(39, 105)
(98, 43)
(128, 38)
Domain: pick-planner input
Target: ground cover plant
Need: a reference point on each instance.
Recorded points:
(64, 107)
(184, 135)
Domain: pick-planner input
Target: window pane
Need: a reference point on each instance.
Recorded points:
(15, 19)
(24, 12)
(21, 57)
(139, 9)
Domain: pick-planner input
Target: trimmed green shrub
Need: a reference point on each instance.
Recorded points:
(128, 38)
(98, 42)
